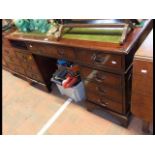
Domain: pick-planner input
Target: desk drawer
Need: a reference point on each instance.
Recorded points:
(33, 46)
(143, 68)
(66, 52)
(101, 77)
(51, 50)
(18, 44)
(142, 84)
(111, 93)
(34, 76)
(99, 59)
(43, 49)
(104, 102)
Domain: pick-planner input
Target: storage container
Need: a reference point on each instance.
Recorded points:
(77, 93)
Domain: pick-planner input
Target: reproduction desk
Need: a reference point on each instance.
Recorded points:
(142, 85)
(106, 68)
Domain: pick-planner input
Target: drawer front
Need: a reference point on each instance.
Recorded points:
(142, 85)
(50, 50)
(66, 52)
(32, 46)
(101, 77)
(142, 106)
(10, 57)
(18, 44)
(34, 76)
(111, 93)
(30, 67)
(99, 59)
(143, 68)
(43, 49)
(16, 68)
(27, 62)
(104, 102)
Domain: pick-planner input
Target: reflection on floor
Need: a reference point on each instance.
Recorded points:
(26, 109)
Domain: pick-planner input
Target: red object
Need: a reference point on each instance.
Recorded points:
(71, 77)
(66, 81)
(71, 83)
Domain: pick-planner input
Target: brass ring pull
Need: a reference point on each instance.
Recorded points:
(103, 103)
(98, 79)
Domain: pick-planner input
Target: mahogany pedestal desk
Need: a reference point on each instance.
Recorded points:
(106, 68)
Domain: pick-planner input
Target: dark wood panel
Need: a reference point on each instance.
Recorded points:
(142, 106)
(29, 65)
(106, 103)
(111, 93)
(51, 50)
(16, 68)
(142, 85)
(100, 60)
(66, 52)
(42, 49)
(143, 68)
(100, 77)
(27, 62)
(34, 76)
(10, 56)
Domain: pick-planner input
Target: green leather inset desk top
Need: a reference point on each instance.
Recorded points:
(92, 37)
(93, 34)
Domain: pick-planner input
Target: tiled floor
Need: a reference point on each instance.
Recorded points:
(26, 109)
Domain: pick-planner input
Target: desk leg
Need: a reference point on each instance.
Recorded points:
(145, 126)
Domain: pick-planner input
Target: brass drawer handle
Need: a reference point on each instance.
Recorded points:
(100, 78)
(96, 59)
(29, 57)
(105, 104)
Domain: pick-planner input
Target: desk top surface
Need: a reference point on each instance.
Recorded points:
(137, 35)
(146, 49)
